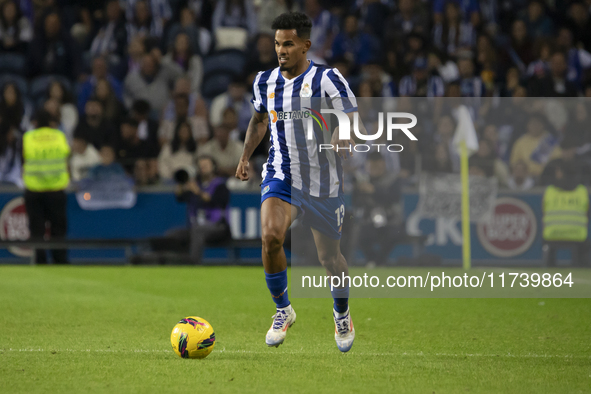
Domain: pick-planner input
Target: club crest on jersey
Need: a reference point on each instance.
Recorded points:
(306, 91)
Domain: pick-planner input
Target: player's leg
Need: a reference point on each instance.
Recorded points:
(36, 213)
(276, 217)
(331, 258)
(56, 210)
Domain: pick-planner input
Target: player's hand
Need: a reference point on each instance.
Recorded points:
(342, 146)
(242, 170)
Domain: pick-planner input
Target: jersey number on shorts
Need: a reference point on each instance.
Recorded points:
(340, 212)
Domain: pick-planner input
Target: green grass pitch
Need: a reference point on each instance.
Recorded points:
(107, 329)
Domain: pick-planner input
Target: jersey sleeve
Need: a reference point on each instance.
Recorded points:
(257, 100)
(337, 88)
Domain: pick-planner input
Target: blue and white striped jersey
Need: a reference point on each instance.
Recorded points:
(292, 156)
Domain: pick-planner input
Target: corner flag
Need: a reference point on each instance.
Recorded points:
(466, 142)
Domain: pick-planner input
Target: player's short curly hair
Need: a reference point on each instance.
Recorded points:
(294, 20)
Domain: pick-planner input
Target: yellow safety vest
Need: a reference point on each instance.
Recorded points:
(565, 214)
(45, 151)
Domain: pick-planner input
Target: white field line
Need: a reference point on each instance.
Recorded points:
(305, 352)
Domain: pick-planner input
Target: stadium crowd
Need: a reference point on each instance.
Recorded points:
(164, 81)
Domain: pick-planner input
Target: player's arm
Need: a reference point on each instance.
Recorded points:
(341, 146)
(337, 88)
(257, 127)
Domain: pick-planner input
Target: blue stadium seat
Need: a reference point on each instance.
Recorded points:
(13, 63)
(215, 83)
(20, 82)
(229, 61)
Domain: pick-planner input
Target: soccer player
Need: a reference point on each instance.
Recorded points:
(293, 182)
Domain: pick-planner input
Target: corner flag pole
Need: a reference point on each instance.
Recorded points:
(465, 205)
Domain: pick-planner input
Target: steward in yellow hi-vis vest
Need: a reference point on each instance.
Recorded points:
(565, 214)
(45, 175)
(45, 152)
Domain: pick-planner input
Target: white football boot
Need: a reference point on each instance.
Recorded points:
(282, 320)
(344, 333)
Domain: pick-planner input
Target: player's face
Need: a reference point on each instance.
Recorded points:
(290, 48)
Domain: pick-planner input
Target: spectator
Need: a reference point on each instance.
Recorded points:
(197, 107)
(235, 13)
(99, 71)
(520, 52)
(468, 10)
(182, 56)
(470, 85)
(136, 155)
(147, 129)
(537, 21)
(15, 29)
(535, 147)
(53, 51)
(578, 127)
(114, 109)
(540, 68)
(263, 58)
(107, 168)
(453, 34)
(81, 26)
(410, 17)
(142, 21)
(84, 157)
(356, 46)
(420, 83)
(199, 38)
(136, 51)
(236, 97)
(573, 167)
(444, 132)
(199, 129)
(439, 65)
(486, 159)
(223, 150)
(12, 108)
(512, 82)
(555, 84)
(499, 144)
(381, 83)
(439, 161)
(324, 29)
(10, 155)
(580, 24)
(93, 127)
(373, 16)
(150, 83)
(268, 10)
(487, 63)
(68, 114)
(111, 41)
(578, 59)
(179, 153)
(230, 120)
(159, 10)
(413, 48)
(520, 178)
